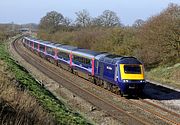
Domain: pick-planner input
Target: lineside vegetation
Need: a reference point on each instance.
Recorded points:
(29, 107)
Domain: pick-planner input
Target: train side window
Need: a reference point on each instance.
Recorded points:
(63, 55)
(76, 58)
(88, 61)
(50, 51)
(41, 47)
(82, 60)
(36, 45)
(31, 43)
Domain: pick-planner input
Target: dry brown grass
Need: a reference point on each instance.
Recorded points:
(17, 107)
(166, 75)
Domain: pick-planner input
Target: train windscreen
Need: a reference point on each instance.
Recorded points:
(132, 69)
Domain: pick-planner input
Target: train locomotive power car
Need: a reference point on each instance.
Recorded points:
(116, 73)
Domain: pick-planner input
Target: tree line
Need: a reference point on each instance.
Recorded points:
(8, 30)
(155, 41)
(54, 21)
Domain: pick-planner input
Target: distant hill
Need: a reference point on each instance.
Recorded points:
(30, 25)
(12, 26)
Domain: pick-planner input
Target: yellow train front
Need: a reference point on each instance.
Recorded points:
(131, 78)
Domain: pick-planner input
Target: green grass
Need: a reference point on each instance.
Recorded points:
(166, 75)
(62, 114)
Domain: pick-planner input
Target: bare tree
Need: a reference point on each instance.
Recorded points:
(96, 22)
(67, 21)
(138, 23)
(109, 19)
(83, 18)
(51, 21)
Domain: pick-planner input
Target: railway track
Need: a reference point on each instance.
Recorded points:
(113, 110)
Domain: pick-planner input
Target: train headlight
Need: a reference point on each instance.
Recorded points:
(125, 81)
(142, 81)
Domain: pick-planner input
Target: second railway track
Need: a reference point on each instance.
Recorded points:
(112, 109)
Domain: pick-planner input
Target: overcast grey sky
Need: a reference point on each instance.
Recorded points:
(31, 11)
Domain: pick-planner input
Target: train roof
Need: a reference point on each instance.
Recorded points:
(51, 44)
(101, 56)
(113, 59)
(47, 43)
(32, 39)
(66, 48)
(86, 53)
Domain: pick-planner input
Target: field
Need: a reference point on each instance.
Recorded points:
(26, 94)
(166, 75)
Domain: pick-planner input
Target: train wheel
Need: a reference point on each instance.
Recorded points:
(98, 81)
(117, 92)
(56, 62)
(115, 89)
(93, 80)
(121, 93)
(105, 85)
(110, 87)
(70, 70)
(75, 72)
(140, 92)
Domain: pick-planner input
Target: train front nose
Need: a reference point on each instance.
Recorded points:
(132, 77)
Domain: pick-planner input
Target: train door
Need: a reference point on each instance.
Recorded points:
(116, 73)
(101, 70)
(97, 67)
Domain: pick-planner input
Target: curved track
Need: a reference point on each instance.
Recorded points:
(112, 109)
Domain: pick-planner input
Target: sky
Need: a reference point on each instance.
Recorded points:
(31, 11)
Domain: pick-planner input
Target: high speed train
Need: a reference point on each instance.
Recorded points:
(116, 73)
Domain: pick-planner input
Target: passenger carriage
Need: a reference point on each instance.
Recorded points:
(50, 52)
(83, 62)
(29, 43)
(64, 56)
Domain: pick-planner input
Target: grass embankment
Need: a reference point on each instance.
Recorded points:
(62, 114)
(17, 106)
(166, 75)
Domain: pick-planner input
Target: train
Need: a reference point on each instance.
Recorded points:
(120, 74)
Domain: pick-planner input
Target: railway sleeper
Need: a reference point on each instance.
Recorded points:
(107, 85)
